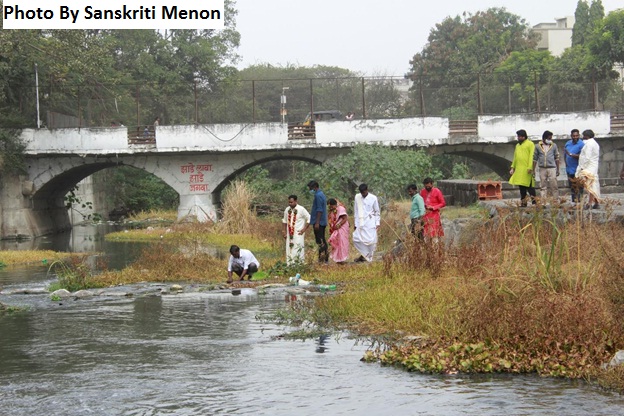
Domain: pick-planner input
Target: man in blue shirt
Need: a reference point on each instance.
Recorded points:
(318, 219)
(572, 152)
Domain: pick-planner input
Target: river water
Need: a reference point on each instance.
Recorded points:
(206, 353)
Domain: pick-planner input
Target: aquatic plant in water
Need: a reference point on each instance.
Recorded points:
(73, 274)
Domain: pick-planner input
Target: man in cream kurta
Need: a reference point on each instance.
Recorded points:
(587, 169)
(296, 221)
(367, 219)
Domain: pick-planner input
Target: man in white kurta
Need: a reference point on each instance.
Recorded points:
(367, 219)
(296, 220)
(587, 170)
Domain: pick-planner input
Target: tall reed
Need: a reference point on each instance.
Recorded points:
(237, 214)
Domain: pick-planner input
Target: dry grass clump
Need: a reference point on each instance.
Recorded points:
(609, 378)
(163, 263)
(198, 237)
(394, 224)
(159, 215)
(407, 304)
(237, 215)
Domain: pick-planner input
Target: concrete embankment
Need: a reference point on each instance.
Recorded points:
(611, 210)
(466, 191)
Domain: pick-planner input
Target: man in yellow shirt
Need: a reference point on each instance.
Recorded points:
(522, 167)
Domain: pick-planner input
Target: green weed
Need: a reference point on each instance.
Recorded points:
(9, 310)
(73, 274)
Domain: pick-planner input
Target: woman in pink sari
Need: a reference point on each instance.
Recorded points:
(338, 231)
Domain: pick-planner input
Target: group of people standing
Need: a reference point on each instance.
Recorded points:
(424, 215)
(333, 214)
(581, 160)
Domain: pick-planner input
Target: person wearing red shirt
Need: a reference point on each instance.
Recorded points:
(434, 202)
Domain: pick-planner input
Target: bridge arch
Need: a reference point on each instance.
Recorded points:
(229, 178)
(51, 184)
(498, 164)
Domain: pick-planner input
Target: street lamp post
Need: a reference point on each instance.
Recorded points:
(283, 110)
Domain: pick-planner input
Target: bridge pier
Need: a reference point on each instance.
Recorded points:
(199, 206)
(22, 215)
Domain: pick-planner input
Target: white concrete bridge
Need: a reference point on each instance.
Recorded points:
(198, 161)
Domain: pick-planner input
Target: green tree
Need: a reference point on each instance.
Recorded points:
(527, 70)
(11, 152)
(458, 48)
(586, 19)
(583, 75)
(596, 14)
(581, 23)
(387, 171)
(607, 41)
(138, 190)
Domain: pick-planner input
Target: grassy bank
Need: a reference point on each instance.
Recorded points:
(16, 257)
(528, 293)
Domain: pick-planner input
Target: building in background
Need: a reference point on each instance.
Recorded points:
(556, 37)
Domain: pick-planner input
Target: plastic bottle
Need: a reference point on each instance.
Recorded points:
(295, 279)
(326, 288)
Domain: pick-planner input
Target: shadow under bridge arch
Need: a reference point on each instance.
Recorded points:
(316, 160)
(498, 164)
(49, 213)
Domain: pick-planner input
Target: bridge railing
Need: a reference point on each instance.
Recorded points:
(463, 128)
(617, 122)
(141, 135)
(460, 97)
(301, 131)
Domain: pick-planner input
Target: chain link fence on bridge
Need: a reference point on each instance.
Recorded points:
(291, 100)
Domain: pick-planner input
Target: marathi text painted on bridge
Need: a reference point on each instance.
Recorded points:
(196, 176)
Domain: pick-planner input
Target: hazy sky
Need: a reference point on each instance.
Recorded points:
(373, 37)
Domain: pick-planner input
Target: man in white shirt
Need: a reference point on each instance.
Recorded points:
(587, 170)
(367, 220)
(296, 221)
(242, 262)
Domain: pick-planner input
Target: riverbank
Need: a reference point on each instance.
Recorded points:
(11, 257)
(529, 291)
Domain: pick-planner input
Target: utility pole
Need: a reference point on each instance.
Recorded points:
(37, 92)
(283, 110)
